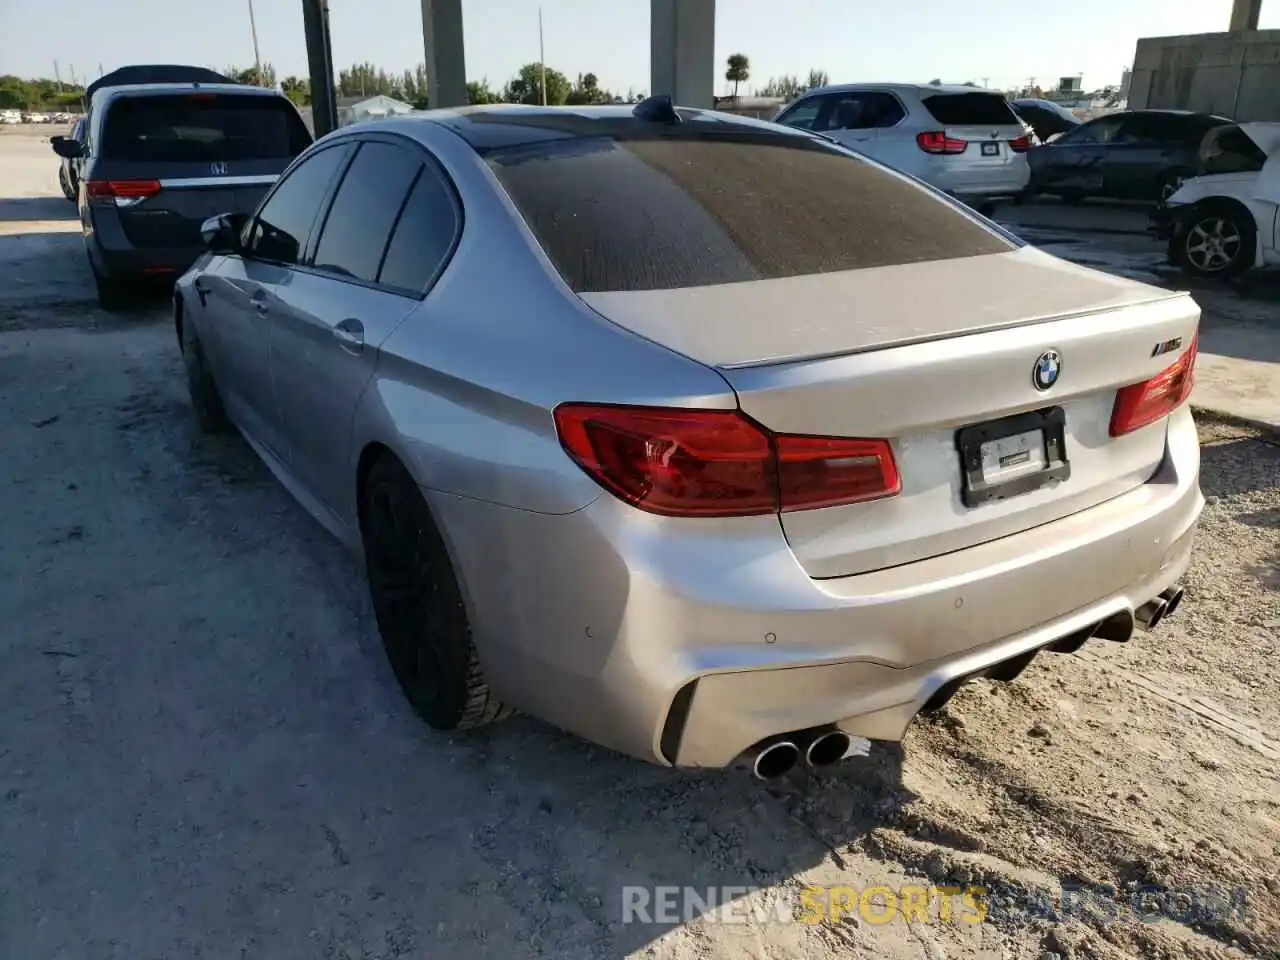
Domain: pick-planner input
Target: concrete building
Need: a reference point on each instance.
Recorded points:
(1235, 74)
(682, 56)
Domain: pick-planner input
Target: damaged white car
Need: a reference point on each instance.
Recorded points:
(1224, 221)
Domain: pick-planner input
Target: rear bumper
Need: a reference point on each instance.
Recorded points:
(116, 258)
(687, 643)
(1002, 183)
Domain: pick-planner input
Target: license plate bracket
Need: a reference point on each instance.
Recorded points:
(991, 149)
(1012, 456)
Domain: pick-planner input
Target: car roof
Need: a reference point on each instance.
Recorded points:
(150, 89)
(488, 128)
(919, 88)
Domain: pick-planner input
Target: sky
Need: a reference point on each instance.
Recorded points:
(1000, 42)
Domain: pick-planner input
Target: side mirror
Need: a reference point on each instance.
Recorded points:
(221, 234)
(66, 147)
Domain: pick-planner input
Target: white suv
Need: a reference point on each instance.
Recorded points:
(965, 141)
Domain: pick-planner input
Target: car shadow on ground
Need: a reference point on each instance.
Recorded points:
(554, 833)
(37, 208)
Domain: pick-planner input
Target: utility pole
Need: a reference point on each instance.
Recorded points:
(73, 75)
(57, 76)
(324, 103)
(253, 29)
(542, 60)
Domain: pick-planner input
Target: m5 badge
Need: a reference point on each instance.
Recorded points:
(1167, 347)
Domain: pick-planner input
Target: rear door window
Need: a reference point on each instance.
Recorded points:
(202, 127)
(684, 210)
(970, 110)
(365, 209)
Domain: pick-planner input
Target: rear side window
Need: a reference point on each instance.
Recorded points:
(970, 109)
(423, 236)
(203, 127)
(693, 210)
(1229, 149)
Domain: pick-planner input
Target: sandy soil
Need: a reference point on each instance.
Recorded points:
(203, 753)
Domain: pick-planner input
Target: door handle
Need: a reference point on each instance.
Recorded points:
(350, 335)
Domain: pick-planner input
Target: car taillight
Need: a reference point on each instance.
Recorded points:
(1142, 403)
(719, 463)
(1020, 144)
(935, 141)
(104, 189)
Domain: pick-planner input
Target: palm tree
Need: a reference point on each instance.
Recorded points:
(739, 70)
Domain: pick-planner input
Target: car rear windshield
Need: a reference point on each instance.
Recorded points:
(970, 110)
(686, 211)
(180, 127)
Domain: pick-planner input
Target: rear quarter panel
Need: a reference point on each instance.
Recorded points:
(465, 387)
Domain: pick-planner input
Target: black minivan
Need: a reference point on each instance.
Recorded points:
(164, 148)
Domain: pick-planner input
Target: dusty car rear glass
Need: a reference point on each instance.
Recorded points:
(202, 126)
(683, 211)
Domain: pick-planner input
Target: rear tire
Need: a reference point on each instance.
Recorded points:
(112, 294)
(65, 184)
(418, 604)
(206, 404)
(1218, 241)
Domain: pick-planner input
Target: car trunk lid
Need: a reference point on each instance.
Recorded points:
(983, 121)
(919, 353)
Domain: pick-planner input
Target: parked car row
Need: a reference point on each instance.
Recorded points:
(600, 394)
(14, 117)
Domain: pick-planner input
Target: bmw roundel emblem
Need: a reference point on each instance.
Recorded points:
(1047, 370)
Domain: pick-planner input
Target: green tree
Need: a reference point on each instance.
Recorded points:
(249, 75)
(817, 78)
(787, 87)
(526, 86)
(587, 90)
(479, 92)
(40, 93)
(413, 86)
(366, 80)
(297, 89)
(739, 70)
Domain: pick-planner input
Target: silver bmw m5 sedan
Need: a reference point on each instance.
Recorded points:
(703, 438)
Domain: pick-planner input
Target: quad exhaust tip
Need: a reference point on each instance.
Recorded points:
(827, 748)
(775, 760)
(1151, 613)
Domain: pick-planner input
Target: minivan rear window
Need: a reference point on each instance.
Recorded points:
(970, 110)
(698, 209)
(202, 126)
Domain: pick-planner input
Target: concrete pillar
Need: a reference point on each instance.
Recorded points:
(1245, 13)
(446, 59)
(682, 51)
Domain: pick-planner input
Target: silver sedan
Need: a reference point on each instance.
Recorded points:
(701, 437)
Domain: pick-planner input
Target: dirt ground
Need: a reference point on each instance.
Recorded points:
(204, 754)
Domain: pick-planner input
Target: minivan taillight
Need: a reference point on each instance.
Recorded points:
(719, 463)
(935, 141)
(105, 189)
(1142, 403)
